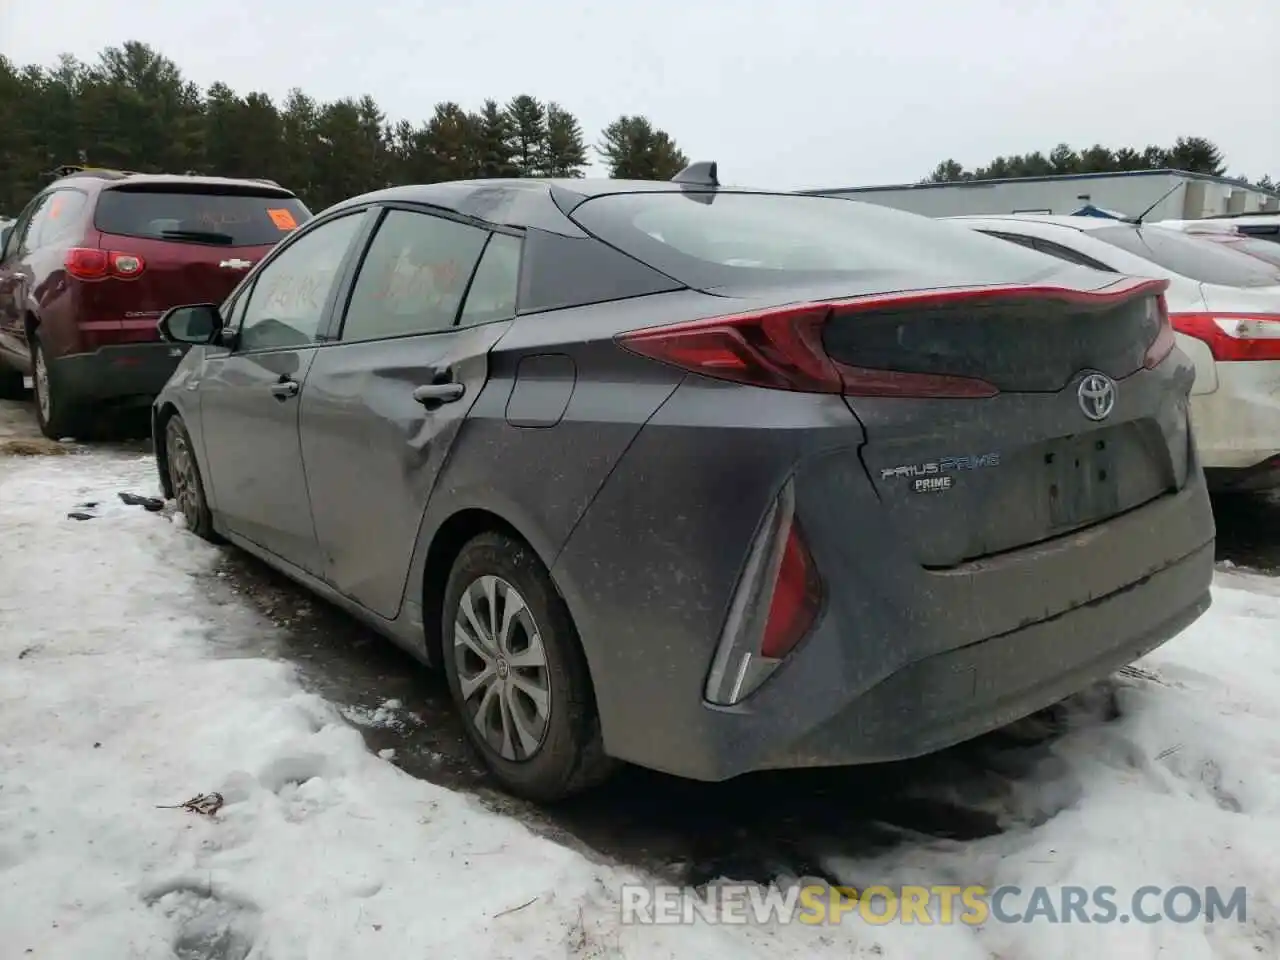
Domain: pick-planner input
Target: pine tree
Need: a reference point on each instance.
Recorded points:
(493, 134)
(948, 171)
(634, 149)
(451, 140)
(133, 109)
(1193, 154)
(1196, 155)
(528, 122)
(566, 149)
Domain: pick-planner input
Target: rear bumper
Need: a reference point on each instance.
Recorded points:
(125, 374)
(1237, 426)
(898, 670)
(904, 660)
(954, 696)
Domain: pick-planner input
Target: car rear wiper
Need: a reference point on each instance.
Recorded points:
(204, 236)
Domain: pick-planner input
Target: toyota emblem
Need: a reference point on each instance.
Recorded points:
(1097, 396)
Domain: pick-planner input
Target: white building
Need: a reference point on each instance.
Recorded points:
(1186, 196)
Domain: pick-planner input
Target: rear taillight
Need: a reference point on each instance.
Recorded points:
(781, 348)
(89, 263)
(1233, 336)
(774, 607)
(1165, 340)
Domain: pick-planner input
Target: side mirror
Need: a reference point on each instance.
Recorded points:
(198, 323)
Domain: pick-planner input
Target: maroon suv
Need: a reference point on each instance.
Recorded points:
(94, 260)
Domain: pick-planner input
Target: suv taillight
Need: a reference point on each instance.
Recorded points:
(89, 263)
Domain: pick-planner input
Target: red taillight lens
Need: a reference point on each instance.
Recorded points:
(1233, 336)
(774, 606)
(781, 348)
(797, 596)
(1165, 340)
(88, 263)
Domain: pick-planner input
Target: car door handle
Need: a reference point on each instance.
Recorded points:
(285, 389)
(431, 394)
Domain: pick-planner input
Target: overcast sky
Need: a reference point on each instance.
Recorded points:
(801, 93)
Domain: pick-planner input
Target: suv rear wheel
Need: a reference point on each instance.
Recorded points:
(58, 418)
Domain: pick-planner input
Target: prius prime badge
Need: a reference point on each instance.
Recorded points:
(236, 264)
(1097, 396)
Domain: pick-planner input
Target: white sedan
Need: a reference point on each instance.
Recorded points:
(1225, 307)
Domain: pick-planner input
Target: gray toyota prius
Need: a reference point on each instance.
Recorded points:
(700, 478)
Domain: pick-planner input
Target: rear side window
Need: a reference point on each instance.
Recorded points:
(725, 239)
(1012, 238)
(59, 219)
(1191, 256)
(223, 219)
(1069, 255)
(413, 276)
(492, 295)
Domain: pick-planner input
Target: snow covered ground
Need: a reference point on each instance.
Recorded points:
(124, 688)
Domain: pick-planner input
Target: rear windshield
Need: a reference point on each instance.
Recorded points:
(223, 219)
(1196, 257)
(725, 239)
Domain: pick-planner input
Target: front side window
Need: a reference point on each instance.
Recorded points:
(286, 306)
(413, 276)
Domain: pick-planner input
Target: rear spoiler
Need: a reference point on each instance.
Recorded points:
(107, 173)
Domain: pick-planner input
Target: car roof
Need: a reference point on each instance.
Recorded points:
(1076, 223)
(542, 203)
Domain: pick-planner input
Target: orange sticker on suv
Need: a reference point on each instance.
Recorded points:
(283, 219)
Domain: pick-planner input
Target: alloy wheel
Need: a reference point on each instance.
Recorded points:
(41, 379)
(502, 668)
(182, 475)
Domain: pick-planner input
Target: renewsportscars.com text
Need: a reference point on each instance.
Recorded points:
(734, 903)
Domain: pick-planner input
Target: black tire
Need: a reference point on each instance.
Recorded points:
(570, 755)
(185, 480)
(12, 386)
(57, 416)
